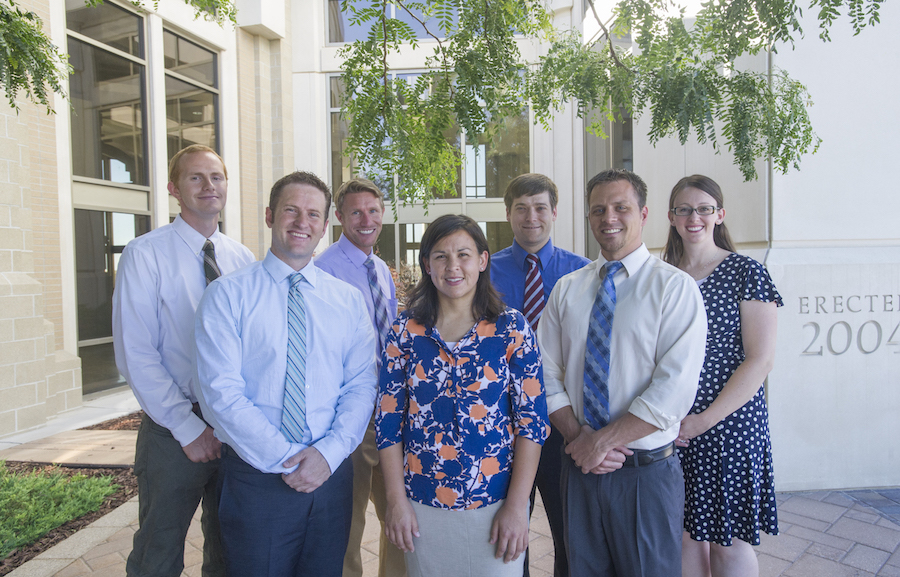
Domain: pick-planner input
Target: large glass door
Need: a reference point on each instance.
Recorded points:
(99, 239)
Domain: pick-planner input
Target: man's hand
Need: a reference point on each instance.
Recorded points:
(312, 470)
(204, 448)
(613, 461)
(592, 455)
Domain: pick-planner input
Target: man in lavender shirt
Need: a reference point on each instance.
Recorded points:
(359, 206)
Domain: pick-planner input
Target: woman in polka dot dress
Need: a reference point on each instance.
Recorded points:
(724, 441)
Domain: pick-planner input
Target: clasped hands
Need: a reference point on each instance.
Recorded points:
(592, 455)
(312, 470)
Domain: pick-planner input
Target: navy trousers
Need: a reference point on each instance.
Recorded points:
(271, 530)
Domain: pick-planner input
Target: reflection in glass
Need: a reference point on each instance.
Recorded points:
(475, 184)
(191, 114)
(189, 59)
(340, 29)
(109, 24)
(99, 240)
(499, 235)
(107, 115)
(504, 159)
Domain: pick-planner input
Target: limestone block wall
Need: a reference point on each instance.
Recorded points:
(36, 381)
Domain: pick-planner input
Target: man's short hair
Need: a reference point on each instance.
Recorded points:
(355, 185)
(616, 174)
(299, 177)
(175, 163)
(530, 184)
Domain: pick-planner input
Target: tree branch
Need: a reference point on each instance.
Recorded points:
(612, 50)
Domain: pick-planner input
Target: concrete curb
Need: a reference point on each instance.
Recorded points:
(63, 554)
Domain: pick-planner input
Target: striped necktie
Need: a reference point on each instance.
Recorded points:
(596, 357)
(534, 291)
(293, 418)
(382, 322)
(210, 267)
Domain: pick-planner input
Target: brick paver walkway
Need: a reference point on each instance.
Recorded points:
(823, 533)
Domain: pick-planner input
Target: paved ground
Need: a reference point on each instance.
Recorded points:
(823, 533)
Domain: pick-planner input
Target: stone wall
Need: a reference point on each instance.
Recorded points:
(36, 380)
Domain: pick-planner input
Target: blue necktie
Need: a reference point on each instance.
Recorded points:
(596, 357)
(382, 322)
(293, 418)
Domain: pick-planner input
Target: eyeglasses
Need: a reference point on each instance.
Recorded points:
(704, 210)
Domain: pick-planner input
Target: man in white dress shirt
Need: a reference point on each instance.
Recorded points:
(628, 521)
(160, 279)
(286, 373)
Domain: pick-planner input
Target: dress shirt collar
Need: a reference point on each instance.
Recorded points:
(631, 263)
(191, 237)
(280, 270)
(543, 254)
(356, 256)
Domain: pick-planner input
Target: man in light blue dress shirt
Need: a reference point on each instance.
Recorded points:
(285, 504)
(359, 206)
(531, 211)
(159, 282)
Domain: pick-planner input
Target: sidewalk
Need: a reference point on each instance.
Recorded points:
(823, 533)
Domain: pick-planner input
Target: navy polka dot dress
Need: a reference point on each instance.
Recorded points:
(730, 488)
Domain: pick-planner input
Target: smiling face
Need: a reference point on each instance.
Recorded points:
(361, 215)
(616, 218)
(694, 228)
(531, 218)
(298, 223)
(200, 187)
(454, 266)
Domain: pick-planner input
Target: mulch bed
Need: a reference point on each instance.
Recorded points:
(122, 476)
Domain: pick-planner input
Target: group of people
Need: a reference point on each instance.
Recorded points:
(285, 394)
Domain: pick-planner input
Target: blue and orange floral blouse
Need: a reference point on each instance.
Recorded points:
(458, 410)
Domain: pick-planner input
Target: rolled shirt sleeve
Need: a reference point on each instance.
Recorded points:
(657, 345)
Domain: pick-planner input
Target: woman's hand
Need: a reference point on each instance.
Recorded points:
(509, 531)
(692, 426)
(400, 524)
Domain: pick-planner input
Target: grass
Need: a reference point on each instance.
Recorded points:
(31, 504)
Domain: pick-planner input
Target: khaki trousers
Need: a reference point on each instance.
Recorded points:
(368, 483)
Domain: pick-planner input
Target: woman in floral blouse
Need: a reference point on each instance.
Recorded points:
(461, 415)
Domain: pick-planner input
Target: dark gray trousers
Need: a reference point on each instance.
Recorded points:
(170, 486)
(627, 523)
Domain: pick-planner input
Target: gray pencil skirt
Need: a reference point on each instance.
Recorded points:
(457, 544)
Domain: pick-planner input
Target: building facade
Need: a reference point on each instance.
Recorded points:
(76, 186)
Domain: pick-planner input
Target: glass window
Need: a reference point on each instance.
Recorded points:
(107, 115)
(109, 24)
(340, 29)
(489, 171)
(99, 240)
(499, 235)
(410, 242)
(189, 59)
(191, 115)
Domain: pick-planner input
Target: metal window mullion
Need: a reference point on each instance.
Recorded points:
(106, 48)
